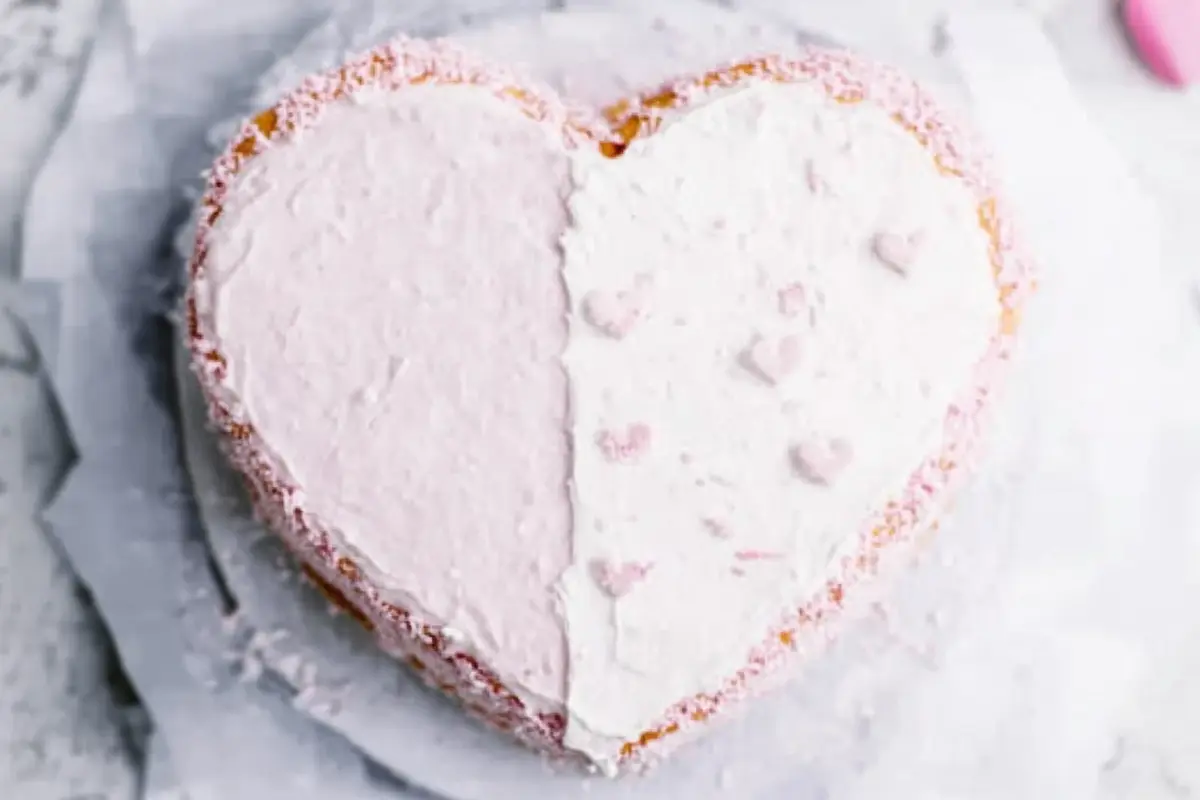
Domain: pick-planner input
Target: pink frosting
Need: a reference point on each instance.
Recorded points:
(424, 476)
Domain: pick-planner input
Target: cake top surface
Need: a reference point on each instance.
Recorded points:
(811, 296)
(606, 422)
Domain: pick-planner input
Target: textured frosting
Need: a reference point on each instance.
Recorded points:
(430, 431)
(729, 268)
(622, 501)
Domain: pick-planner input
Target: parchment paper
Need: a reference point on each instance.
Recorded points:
(1004, 665)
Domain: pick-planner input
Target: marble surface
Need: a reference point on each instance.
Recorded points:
(63, 716)
(62, 733)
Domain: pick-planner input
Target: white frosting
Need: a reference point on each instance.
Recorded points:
(704, 223)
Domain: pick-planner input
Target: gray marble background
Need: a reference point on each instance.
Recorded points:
(62, 701)
(68, 722)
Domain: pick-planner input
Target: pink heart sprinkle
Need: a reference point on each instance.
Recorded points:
(615, 313)
(718, 528)
(1166, 34)
(792, 300)
(898, 251)
(822, 460)
(757, 555)
(625, 446)
(774, 360)
(618, 579)
(818, 178)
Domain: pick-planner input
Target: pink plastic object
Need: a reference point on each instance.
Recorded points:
(1166, 34)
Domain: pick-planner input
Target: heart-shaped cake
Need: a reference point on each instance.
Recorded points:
(599, 420)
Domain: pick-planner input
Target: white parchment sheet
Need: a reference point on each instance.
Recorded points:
(1009, 663)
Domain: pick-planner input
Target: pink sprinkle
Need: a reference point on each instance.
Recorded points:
(738, 571)
(773, 360)
(718, 528)
(818, 178)
(792, 300)
(758, 555)
(615, 313)
(627, 446)
(821, 461)
(898, 251)
(618, 579)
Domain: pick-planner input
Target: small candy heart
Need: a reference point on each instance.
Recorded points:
(822, 460)
(899, 251)
(624, 446)
(1166, 34)
(617, 579)
(792, 300)
(615, 313)
(773, 360)
(718, 528)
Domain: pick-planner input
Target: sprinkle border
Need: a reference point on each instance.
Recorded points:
(444, 663)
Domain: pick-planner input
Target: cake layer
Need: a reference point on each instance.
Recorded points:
(593, 428)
